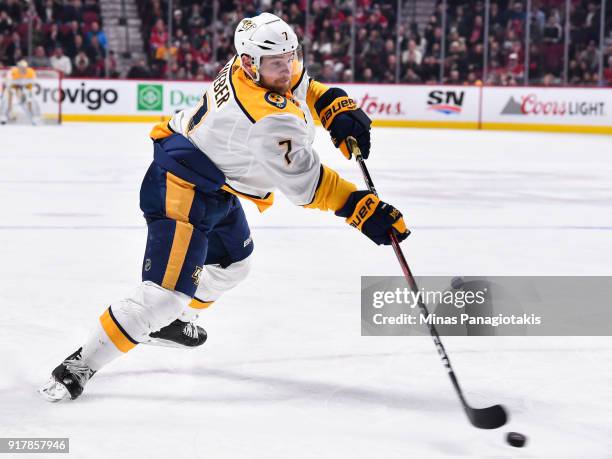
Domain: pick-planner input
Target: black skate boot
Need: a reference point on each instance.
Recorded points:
(179, 334)
(68, 379)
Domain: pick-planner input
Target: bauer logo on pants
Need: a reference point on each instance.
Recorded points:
(150, 97)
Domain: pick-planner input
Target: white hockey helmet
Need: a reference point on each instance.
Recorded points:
(264, 35)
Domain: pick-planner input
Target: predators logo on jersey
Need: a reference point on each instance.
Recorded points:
(275, 99)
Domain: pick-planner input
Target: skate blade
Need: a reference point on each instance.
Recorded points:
(54, 391)
(167, 343)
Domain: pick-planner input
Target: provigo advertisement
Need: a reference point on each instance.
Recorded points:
(427, 106)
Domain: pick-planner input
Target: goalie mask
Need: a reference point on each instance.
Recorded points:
(267, 35)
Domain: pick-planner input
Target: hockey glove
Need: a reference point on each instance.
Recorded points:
(341, 117)
(373, 217)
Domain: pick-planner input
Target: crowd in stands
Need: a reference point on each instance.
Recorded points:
(199, 46)
(65, 34)
(507, 30)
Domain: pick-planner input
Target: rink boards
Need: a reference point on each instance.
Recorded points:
(582, 110)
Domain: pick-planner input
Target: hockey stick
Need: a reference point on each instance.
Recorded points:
(491, 417)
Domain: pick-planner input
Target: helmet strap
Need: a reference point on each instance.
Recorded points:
(253, 69)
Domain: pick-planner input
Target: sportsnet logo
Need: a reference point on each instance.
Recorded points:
(446, 102)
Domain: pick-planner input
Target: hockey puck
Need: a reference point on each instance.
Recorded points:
(457, 283)
(516, 439)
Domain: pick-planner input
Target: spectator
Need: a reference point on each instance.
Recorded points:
(412, 77)
(99, 35)
(159, 36)
(94, 51)
(368, 75)
(514, 68)
(111, 69)
(552, 31)
(82, 66)
(412, 56)
(6, 23)
(61, 62)
(139, 70)
(454, 77)
(195, 20)
(471, 79)
(13, 10)
(67, 35)
(77, 46)
(179, 21)
(430, 69)
(549, 80)
(50, 12)
(608, 72)
(40, 59)
(73, 11)
(328, 74)
(200, 74)
(590, 56)
(52, 39)
(347, 76)
(13, 50)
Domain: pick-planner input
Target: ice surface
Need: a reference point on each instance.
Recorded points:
(285, 372)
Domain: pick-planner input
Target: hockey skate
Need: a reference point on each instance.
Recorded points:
(178, 334)
(68, 379)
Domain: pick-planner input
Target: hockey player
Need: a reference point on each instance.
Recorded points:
(18, 86)
(251, 133)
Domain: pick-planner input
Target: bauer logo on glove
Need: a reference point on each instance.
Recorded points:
(341, 117)
(373, 217)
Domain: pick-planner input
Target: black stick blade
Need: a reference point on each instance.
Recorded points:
(487, 418)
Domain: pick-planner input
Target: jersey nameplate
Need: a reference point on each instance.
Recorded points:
(221, 86)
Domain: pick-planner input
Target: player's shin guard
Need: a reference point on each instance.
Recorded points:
(130, 321)
(98, 349)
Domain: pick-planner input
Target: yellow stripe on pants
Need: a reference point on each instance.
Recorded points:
(179, 197)
(180, 244)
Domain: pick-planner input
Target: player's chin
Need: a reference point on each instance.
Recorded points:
(282, 85)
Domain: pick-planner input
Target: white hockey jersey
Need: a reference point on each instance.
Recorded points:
(259, 139)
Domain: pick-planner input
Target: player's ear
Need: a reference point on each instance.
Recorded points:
(246, 61)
